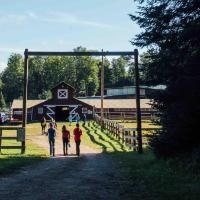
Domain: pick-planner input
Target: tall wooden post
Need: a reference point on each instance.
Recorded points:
(24, 122)
(102, 89)
(138, 110)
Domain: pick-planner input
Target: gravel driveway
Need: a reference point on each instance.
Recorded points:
(93, 176)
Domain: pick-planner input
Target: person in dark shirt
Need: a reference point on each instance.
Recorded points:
(66, 139)
(51, 137)
(77, 138)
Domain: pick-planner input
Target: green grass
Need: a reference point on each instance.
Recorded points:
(133, 124)
(92, 136)
(99, 140)
(12, 159)
(149, 178)
(144, 176)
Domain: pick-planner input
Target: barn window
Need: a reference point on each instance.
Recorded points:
(62, 93)
(84, 110)
(40, 110)
(17, 112)
(89, 112)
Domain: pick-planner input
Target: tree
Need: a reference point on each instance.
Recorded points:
(2, 100)
(119, 75)
(36, 75)
(86, 71)
(107, 73)
(12, 78)
(171, 34)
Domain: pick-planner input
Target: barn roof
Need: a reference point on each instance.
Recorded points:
(118, 103)
(108, 103)
(30, 103)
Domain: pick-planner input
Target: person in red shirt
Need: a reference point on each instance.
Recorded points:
(77, 138)
(66, 139)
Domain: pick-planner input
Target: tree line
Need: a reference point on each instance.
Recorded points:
(83, 73)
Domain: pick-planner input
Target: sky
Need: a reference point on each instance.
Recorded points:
(62, 25)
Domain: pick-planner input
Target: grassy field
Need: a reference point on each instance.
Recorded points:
(144, 176)
(92, 136)
(97, 139)
(133, 124)
(148, 178)
(11, 160)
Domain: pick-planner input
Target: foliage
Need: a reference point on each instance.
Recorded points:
(2, 101)
(171, 34)
(45, 72)
(12, 78)
(151, 179)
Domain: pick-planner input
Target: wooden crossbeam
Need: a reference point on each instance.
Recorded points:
(8, 138)
(11, 147)
(87, 53)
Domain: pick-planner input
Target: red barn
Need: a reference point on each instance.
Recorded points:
(60, 106)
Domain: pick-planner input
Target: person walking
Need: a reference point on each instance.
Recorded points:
(70, 119)
(43, 124)
(77, 138)
(53, 122)
(66, 139)
(51, 136)
(77, 118)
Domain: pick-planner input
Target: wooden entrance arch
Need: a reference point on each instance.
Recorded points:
(102, 53)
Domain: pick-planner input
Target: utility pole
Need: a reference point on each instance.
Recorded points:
(139, 123)
(102, 89)
(24, 122)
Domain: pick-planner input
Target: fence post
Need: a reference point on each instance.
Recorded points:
(138, 110)
(134, 142)
(0, 138)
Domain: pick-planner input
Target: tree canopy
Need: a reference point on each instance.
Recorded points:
(171, 34)
(45, 72)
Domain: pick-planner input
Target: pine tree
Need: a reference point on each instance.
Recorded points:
(171, 33)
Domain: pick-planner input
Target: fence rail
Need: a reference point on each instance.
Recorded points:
(20, 137)
(127, 136)
(120, 115)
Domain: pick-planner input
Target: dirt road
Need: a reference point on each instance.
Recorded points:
(93, 175)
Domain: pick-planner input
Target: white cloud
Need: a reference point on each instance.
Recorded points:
(12, 19)
(50, 17)
(2, 66)
(65, 18)
(11, 50)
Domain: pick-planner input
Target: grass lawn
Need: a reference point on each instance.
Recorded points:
(97, 139)
(143, 176)
(11, 160)
(133, 124)
(146, 177)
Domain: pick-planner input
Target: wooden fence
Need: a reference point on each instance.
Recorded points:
(19, 137)
(127, 115)
(127, 136)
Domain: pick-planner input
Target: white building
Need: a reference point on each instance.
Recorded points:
(126, 90)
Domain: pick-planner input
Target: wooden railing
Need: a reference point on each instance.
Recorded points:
(127, 136)
(119, 115)
(19, 137)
